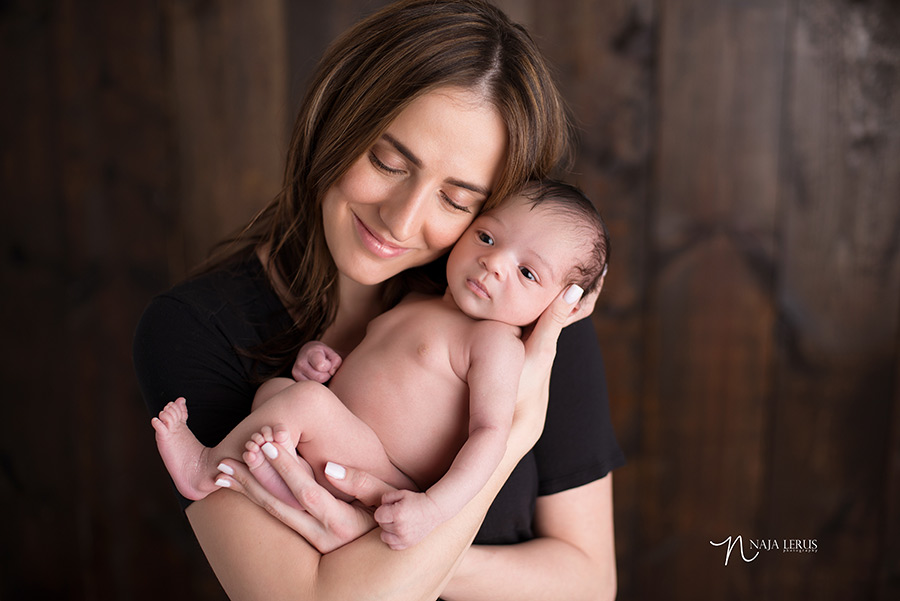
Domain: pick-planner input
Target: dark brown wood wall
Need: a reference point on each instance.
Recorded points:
(744, 153)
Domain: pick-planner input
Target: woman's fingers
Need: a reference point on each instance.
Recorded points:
(358, 484)
(534, 383)
(241, 480)
(585, 307)
(542, 339)
(317, 501)
(327, 523)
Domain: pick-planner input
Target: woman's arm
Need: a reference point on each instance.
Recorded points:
(573, 556)
(258, 557)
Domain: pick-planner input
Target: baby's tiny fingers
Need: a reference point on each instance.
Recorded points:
(318, 361)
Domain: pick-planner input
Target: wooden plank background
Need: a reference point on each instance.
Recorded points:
(745, 155)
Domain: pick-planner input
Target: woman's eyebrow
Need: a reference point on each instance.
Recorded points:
(412, 158)
(402, 149)
(473, 187)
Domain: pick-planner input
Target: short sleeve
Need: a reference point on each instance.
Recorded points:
(179, 351)
(578, 444)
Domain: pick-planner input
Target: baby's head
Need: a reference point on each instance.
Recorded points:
(515, 259)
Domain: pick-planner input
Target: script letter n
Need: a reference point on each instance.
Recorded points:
(731, 542)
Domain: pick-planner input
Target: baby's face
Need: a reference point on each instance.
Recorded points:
(511, 263)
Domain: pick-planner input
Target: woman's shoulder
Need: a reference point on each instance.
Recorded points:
(190, 340)
(239, 281)
(232, 304)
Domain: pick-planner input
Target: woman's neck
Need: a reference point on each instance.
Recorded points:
(359, 304)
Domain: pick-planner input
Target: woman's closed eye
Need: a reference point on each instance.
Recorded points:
(381, 165)
(390, 170)
(453, 204)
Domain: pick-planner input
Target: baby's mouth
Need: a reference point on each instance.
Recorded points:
(476, 287)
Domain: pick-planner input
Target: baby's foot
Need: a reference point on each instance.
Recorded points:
(265, 472)
(184, 456)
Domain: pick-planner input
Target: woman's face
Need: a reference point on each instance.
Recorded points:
(413, 193)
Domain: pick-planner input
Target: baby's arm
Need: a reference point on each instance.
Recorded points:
(316, 361)
(495, 366)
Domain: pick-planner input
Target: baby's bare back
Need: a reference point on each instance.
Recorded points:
(406, 380)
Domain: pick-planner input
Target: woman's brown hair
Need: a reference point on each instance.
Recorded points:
(364, 80)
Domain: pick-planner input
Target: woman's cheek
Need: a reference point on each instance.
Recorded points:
(448, 234)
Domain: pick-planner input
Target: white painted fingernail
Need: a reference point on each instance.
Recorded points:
(270, 450)
(335, 471)
(225, 469)
(573, 293)
(223, 483)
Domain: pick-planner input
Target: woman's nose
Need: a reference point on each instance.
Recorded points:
(405, 214)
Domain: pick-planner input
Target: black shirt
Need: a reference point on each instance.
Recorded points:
(188, 344)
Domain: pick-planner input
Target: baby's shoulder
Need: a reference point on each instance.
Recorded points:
(495, 336)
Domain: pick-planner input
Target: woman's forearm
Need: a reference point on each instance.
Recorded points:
(543, 569)
(255, 556)
(573, 556)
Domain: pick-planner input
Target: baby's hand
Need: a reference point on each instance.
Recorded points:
(406, 517)
(316, 361)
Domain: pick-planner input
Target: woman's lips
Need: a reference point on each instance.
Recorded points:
(476, 287)
(375, 243)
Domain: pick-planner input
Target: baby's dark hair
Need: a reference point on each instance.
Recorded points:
(574, 204)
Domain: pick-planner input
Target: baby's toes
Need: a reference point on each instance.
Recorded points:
(252, 459)
(168, 416)
(179, 408)
(266, 432)
(252, 455)
(282, 436)
(256, 439)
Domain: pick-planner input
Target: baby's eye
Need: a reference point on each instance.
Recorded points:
(527, 273)
(486, 238)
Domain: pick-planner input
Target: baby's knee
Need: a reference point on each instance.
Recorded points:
(304, 397)
(268, 390)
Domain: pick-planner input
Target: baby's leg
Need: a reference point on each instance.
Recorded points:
(194, 467)
(268, 389)
(262, 470)
(309, 417)
(184, 456)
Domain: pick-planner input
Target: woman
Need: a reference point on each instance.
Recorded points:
(417, 118)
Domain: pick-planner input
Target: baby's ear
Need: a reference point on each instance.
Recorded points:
(584, 307)
(601, 279)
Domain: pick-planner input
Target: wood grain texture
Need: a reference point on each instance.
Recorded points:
(710, 311)
(87, 180)
(229, 84)
(839, 281)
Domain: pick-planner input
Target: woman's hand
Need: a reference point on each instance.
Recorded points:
(540, 350)
(325, 521)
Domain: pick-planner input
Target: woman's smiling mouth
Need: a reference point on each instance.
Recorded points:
(375, 244)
